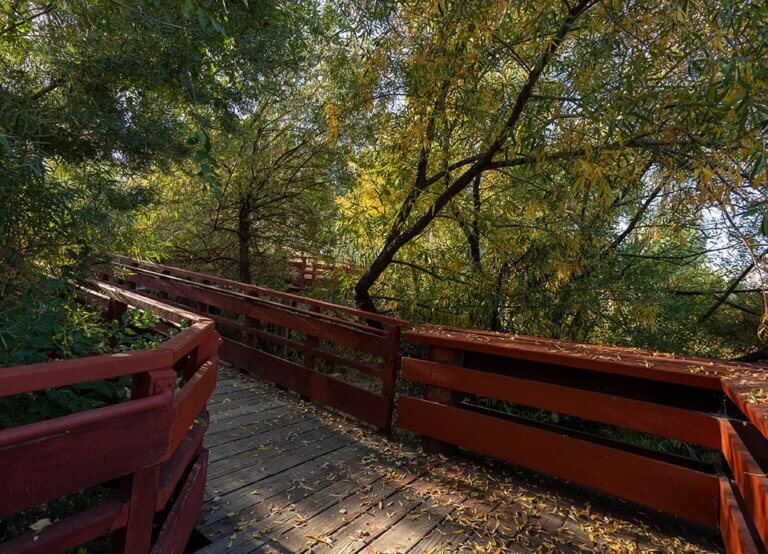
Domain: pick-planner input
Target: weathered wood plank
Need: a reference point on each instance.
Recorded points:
(663, 486)
(676, 423)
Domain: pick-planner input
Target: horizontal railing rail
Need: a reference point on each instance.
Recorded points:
(481, 391)
(663, 396)
(147, 450)
(315, 348)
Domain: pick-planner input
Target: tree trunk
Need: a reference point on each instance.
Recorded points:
(473, 237)
(399, 236)
(244, 242)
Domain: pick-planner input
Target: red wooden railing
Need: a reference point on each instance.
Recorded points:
(706, 403)
(151, 444)
(285, 338)
(308, 270)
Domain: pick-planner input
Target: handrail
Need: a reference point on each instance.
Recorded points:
(691, 399)
(191, 275)
(138, 441)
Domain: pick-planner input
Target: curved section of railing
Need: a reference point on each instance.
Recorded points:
(316, 348)
(148, 450)
(286, 338)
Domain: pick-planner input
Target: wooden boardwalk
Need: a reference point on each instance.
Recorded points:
(286, 476)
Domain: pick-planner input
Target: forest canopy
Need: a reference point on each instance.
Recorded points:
(593, 170)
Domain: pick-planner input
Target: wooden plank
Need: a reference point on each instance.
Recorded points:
(740, 395)
(53, 458)
(71, 531)
(243, 415)
(244, 426)
(248, 288)
(239, 477)
(360, 403)
(190, 401)
(660, 485)
(173, 469)
(451, 534)
(50, 375)
(297, 437)
(676, 423)
(181, 519)
(366, 339)
(275, 483)
(222, 401)
(372, 523)
(734, 529)
(749, 476)
(325, 513)
(277, 508)
(267, 440)
(535, 353)
(419, 522)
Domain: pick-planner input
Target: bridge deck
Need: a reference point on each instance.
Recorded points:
(289, 477)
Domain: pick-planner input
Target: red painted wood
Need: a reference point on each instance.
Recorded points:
(140, 488)
(734, 528)
(48, 375)
(53, 458)
(368, 369)
(191, 400)
(39, 466)
(360, 403)
(173, 469)
(181, 519)
(537, 353)
(140, 492)
(203, 278)
(194, 291)
(166, 310)
(685, 425)
(72, 531)
(183, 343)
(739, 394)
(673, 489)
(33, 432)
(749, 476)
(356, 336)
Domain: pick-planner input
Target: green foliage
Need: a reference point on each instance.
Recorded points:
(44, 322)
(82, 333)
(586, 170)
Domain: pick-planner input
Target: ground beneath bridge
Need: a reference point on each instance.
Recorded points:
(286, 476)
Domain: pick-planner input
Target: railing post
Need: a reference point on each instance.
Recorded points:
(131, 284)
(164, 295)
(310, 343)
(389, 377)
(246, 337)
(447, 356)
(140, 488)
(201, 306)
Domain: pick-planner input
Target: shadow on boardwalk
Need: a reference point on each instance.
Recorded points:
(286, 476)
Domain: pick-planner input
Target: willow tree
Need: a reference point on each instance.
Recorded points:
(609, 108)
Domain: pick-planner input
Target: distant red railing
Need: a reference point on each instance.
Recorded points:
(700, 402)
(151, 443)
(308, 270)
(285, 337)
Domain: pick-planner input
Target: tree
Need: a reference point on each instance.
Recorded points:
(593, 90)
(95, 95)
